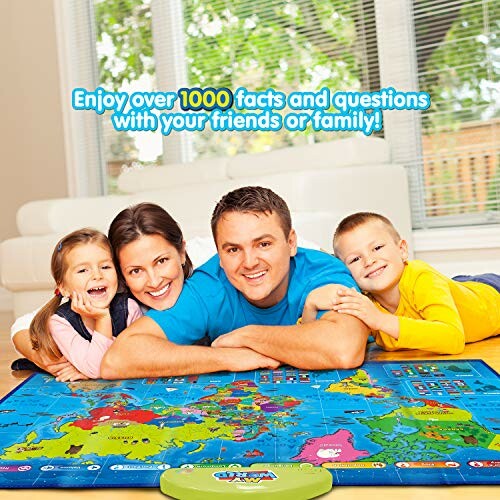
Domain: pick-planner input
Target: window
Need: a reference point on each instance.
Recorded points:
(444, 47)
(457, 63)
(285, 45)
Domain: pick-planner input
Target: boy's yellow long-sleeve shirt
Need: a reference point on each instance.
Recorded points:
(440, 315)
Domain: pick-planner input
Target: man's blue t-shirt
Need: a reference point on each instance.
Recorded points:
(210, 305)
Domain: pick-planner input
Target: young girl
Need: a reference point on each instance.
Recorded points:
(84, 327)
(406, 303)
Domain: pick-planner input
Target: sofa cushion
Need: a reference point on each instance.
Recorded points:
(321, 183)
(67, 214)
(348, 152)
(136, 180)
(191, 206)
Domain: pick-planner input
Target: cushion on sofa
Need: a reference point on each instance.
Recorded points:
(135, 180)
(320, 182)
(67, 214)
(342, 153)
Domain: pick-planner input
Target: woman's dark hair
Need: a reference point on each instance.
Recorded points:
(146, 219)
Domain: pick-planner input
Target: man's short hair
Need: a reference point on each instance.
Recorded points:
(358, 219)
(254, 199)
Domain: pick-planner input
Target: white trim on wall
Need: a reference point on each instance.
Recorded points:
(461, 250)
(457, 238)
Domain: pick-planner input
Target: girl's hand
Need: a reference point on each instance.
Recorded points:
(82, 304)
(53, 366)
(350, 301)
(321, 299)
(69, 374)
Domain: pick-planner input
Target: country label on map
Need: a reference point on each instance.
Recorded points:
(15, 468)
(128, 467)
(66, 468)
(484, 463)
(208, 466)
(427, 465)
(354, 465)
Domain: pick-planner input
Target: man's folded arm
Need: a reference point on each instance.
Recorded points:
(335, 341)
(136, 353)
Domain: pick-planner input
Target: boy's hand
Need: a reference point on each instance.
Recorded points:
(350, 301)
(320, 299)
(82, 304)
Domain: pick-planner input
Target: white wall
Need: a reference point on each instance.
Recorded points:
(31, 134)
(467, 250)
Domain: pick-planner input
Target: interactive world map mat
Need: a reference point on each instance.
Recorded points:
(386, 423)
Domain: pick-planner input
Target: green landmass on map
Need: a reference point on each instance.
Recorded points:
(360, 384)
(458, 368)
(232, 412)
(425, 432)
(418, 428)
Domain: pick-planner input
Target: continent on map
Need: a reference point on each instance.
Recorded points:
(336, 447)
(426, 431)
(360, 384)
(459, 369)
(234, 412)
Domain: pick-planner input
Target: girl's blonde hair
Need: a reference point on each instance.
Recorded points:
(41, 339)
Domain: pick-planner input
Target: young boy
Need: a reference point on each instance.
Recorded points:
(407, 304)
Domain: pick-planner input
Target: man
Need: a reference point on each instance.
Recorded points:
(253, 292)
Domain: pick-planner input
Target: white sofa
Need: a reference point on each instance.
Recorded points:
(321, 183)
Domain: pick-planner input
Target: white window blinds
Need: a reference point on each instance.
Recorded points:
(457, 54)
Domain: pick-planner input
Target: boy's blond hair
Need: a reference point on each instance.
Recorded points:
(358, 219)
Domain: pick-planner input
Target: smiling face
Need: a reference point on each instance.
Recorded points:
(152, 269)
(255, 255)
(90, 270)
(375, 259)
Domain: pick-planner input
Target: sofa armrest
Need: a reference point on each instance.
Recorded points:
(67, 214)
(25, 262)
